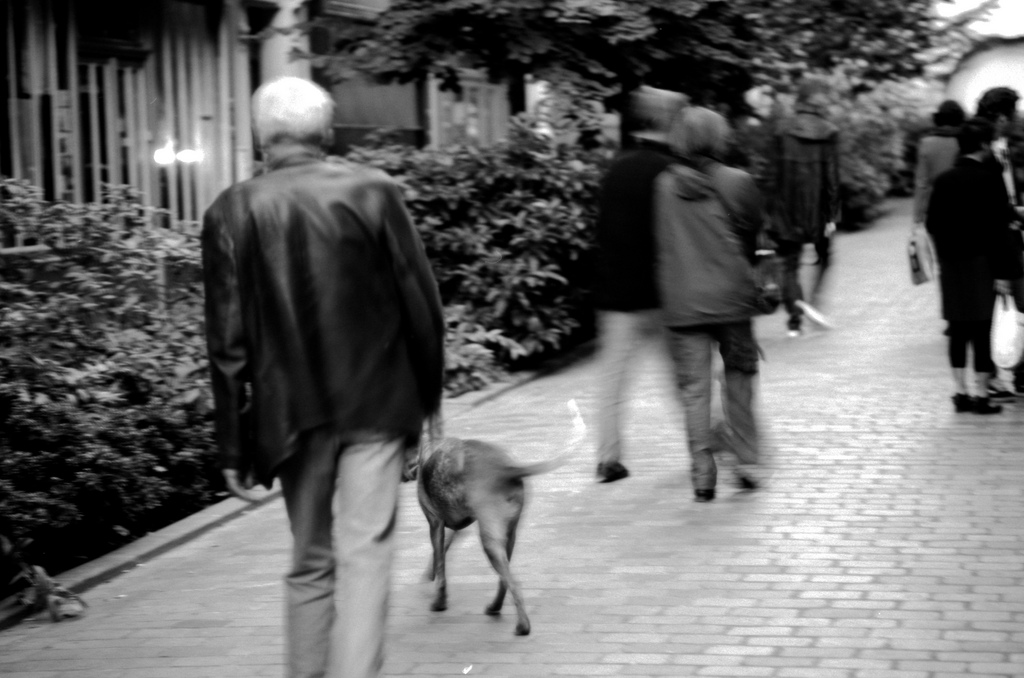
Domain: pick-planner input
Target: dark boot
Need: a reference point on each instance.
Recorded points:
(963, 403)
(983, 406)
(610, 471)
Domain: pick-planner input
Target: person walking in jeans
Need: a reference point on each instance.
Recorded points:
(326, 338)
(625, 293)
(707, 220)
(803, 190)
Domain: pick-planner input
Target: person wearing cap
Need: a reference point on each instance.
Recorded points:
(325, 335)
(625, 290)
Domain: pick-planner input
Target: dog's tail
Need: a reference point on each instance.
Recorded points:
(579, 434)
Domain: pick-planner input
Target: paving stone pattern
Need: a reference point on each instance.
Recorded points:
(888, 544)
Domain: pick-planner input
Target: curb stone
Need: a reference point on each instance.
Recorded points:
(138, 552)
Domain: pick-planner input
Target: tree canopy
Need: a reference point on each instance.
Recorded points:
(714, 50)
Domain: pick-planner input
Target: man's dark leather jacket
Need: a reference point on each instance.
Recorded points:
(803, 183)
(320, 297)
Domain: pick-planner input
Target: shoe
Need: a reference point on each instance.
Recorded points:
(701, 496)
(610, 471)
(1000, 394)
(814, 315)
(983, 406)
(793, 334)
(963, 402)
(746, 482)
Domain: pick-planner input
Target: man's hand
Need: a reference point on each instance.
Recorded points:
(239, 487)
(1003, 287)
(830, 228)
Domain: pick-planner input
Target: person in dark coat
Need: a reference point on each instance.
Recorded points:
(325, 334)
(707, 221)
(625, 293)
(969, 224)
(803, 199)
(937, 151)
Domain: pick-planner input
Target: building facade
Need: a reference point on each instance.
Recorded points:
(149, 94)
(156, 95)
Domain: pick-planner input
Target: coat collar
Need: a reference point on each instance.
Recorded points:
(968, 161)
(289, 154)
(944, 131)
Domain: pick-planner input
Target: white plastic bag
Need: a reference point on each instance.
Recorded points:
(1007, 334)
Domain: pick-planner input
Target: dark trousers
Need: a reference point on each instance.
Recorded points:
(976, 334)
(791, 254)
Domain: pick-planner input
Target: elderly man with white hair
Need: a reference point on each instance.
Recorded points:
(325, 334)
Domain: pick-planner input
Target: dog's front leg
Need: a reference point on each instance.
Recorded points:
(440, 583)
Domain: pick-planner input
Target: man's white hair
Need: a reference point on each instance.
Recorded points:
(292, 109)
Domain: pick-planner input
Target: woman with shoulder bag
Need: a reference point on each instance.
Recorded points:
(969, 223)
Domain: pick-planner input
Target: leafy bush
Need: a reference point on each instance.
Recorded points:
(507, 229)
(470, 363)
(105, 431)
(80, 480)
(93, 319)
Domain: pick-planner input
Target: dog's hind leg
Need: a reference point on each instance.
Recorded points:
(449, 539)
(498, 548)
(437, 540)
(499, 599)
(494, 608)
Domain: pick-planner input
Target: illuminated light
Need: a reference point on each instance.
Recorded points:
(189, 155)
(165, 155)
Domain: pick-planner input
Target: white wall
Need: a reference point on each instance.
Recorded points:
(999, 66)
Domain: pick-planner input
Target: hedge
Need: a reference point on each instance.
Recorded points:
(507, 229)
(104, 401)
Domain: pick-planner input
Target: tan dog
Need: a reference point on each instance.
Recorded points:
(462, 481)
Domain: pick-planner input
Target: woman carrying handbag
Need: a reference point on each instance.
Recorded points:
(969, 224)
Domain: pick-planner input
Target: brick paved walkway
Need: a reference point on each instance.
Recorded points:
(890, 543)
